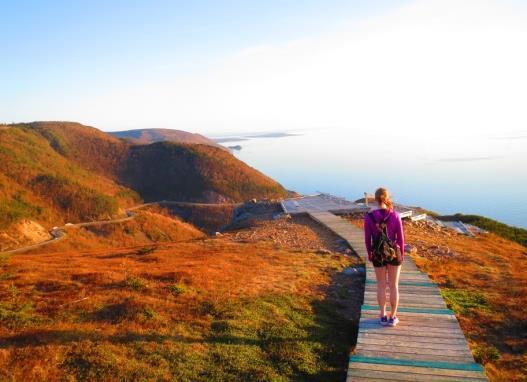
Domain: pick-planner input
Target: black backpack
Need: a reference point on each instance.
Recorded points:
(384, 250)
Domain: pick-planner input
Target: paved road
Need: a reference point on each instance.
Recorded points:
(58, 233)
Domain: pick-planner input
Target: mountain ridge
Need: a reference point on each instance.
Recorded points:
(148, 136)
(62, 171)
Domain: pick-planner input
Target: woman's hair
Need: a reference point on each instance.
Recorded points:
(382, 195)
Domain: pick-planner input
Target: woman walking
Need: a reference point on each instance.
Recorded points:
(383, 233)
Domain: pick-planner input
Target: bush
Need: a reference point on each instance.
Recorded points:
(177, 289)
(484, 354)
(16, 316)
(135, 283)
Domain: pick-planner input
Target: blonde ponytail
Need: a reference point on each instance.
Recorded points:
(382, 195)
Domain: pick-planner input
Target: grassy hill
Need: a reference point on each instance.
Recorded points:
(213, 309)
(147, 136)
(202, 173)
(54, 172)
(40, 181)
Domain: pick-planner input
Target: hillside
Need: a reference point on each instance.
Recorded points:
(228, 308)
(202, 173)
(147, 136)
(58, 172)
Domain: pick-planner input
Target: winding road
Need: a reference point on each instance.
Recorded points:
(58, 233)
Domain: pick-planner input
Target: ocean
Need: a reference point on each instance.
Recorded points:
(484, 175)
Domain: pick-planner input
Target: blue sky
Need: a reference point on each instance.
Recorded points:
(61, 48)
(53, 44)
(214, 66)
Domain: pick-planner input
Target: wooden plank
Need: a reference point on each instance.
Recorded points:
(376, 375)
(402, 326)
(423, 284)
(394, 350)
(410, 314)
(411, 310)
(415, 320)
(413, 297)
(412, 323)
(420, 304)
(446, 368)
(430, 344)
(411, 338)
(408, 305)
(408, 333)
(370, 298)
(406, 291)
(398, 353)
(422, 371)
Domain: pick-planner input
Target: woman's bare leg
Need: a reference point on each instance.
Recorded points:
(393, 280)
(380, 273)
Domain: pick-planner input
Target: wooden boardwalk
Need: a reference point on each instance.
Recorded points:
(427, 344)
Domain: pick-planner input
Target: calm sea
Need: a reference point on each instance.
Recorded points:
(484, 175)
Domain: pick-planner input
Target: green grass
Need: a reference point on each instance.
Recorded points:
(266, 338)
(484, 354)
(519, 235)
(91, 362)
(16, 209)
(17, 315)
(135, 283)
(464, 301)
(74, 199)
(177, 289)
(278, 338)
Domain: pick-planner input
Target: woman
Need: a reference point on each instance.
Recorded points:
(394, 229)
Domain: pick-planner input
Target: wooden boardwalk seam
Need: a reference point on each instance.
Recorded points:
(428, 343)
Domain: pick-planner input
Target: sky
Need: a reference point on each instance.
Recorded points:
(408, 69)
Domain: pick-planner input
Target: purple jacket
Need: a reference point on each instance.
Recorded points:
(394, 227)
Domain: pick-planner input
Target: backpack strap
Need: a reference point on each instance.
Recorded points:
(383, 220)
(386, 217)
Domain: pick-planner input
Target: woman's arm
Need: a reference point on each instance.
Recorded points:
(400, 235)
(367, 236)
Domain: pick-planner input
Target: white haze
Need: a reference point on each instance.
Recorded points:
(430, 68)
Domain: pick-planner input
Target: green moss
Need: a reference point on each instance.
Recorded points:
(177, 289)
(484, 354)
(280, 338)
(265, 338)
(465, 301)
(89, 361)
(135, 283)
(16, 316)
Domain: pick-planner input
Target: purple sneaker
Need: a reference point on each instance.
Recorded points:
(383, 320)
(393, 321)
